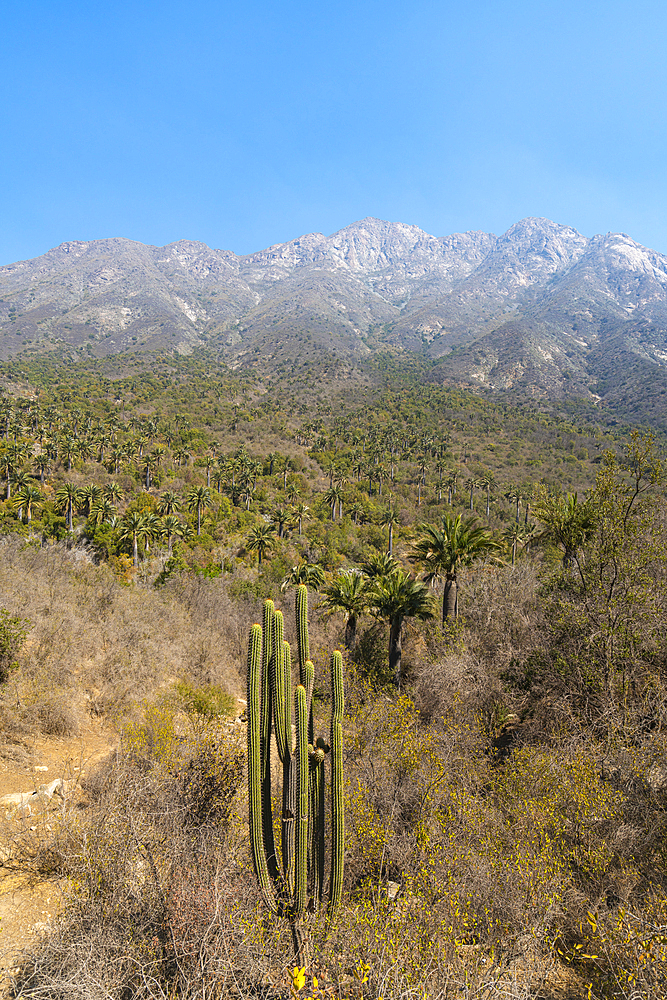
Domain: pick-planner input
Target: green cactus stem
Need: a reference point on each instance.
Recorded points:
(301, 615)
(297, 886)
(337, 800)
(257, 843)
(301, 850)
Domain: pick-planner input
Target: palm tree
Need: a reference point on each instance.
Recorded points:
(114, 491)
(42, 462)
(356, 510)
(292, 492)
(301, 511)
(487, 482)
(65, 500)
(168, 503)
(568, 522)
(152, 527)
(199, 498)
(379, 566)
(87, 497)
(260, 539)
(396, 597)
(519, 535)
(309, 573)
(333, 496)
(27, 500)
(347, 593)
(281, 520)
(389, 519)
(170, 526)
(133, 525)
(116, 456)
(69, 449)
(444, 550)
(102, 511)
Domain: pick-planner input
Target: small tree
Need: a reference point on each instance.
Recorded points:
(13, 633)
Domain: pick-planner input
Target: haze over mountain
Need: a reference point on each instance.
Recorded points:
(541, 309)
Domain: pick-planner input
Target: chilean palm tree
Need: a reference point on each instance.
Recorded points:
(444, 550)
(356, 510)
(394, 598)
(27, 500)
(260, 540)
(568, 522)
(347, 592)
(87, 497)
(65, 499)
(518, 535)
(168, 503)
(389, 519)
(199, 498)
(304, 572)
(301, 511)
(282, 518)
(170, 526)
(292, 493)
(42, 462)
(102, 511)
(487, 483)
(378, 566)
(114, 491)
(133, 526)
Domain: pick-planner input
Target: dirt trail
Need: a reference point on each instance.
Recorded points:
(24, 766)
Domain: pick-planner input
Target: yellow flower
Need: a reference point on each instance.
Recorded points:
(299, 977)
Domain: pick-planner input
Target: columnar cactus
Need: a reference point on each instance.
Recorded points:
(293, 882)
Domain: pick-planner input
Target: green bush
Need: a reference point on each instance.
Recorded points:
(13, 633)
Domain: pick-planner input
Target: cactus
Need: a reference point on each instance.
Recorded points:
(297, 885)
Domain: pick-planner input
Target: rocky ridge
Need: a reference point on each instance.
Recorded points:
(540, 310)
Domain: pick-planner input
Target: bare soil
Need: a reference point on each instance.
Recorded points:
(26, 909)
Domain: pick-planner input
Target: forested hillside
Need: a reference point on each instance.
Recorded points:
(494, 575)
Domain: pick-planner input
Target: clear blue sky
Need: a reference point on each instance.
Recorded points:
(246, 124)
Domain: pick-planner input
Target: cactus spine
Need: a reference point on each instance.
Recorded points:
(287, 888)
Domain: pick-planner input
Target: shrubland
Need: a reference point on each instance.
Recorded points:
(505, 788)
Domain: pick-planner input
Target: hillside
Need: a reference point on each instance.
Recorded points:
(540, 311)
(505, 767)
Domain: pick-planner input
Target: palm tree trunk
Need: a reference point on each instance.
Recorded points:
(351, 632)
(450, 598)
(395, 649)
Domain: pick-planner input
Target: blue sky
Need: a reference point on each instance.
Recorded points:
(243, 125)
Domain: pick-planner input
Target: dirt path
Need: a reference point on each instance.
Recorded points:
(24, 766)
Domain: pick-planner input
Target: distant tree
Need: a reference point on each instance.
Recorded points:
(168, 503)
(65, 500)
(394, 598)
(260, 540)
(347, 593)
(199, 498)
(133, 527)
(389, 519)
(309, 573)
(28, 500)
(282, 519)
(444, 550)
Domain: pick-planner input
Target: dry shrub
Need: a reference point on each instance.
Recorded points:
(113, 646)
(151, 855)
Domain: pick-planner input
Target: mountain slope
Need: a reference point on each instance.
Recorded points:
(540, 310)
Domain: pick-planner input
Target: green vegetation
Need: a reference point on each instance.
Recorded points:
(505, 784)
(297, 883)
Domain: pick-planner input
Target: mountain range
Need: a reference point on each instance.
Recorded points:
(540, 310)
